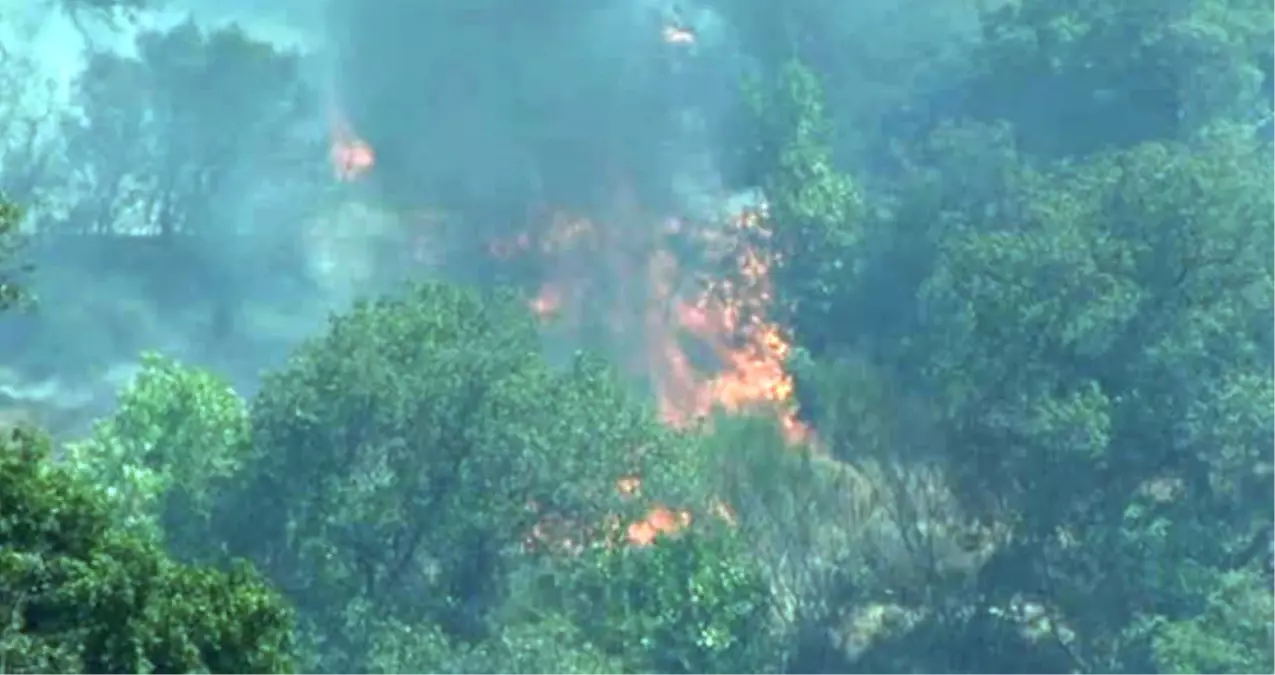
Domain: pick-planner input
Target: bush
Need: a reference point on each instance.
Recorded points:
(169, 450)
(551, 644)
(402, 461)
(81, 594)
(694, 602)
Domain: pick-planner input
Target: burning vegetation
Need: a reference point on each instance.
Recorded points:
(351, 156)
(683, 307)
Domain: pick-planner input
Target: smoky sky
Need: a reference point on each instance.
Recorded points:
(491, 106)
(486, 109)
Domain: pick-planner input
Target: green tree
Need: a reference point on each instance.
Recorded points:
(170, 135)
(29, 120)
(694, 602)
(82, 594)
(1075, 76)
(545, 644)
(813, 209)
(11, 292)
(402, 461)
(166, 455)
(1231, 635)
(1097, 387)
(882, 63)
(1073, 303)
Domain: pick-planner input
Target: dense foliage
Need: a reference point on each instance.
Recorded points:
(11, 291)
(80, 593)
(1031, 292)
(694, 604)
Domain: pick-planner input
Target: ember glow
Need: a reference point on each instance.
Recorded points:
(698, 333)
(708, 342)
(728, 315)
(351, 156)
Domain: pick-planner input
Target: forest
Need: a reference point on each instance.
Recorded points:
(610, 336)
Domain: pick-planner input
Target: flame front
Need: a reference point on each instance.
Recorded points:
(703, 341)
(729, 316)
(709, 342)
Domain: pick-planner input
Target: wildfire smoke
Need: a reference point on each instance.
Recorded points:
(683, 305)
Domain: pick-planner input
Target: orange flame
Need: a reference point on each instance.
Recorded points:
(708, 342)
(728, 317)
(351, 156)
(742, 353)
(548, 302)
(704, 342)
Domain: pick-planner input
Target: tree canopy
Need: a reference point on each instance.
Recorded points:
(83, 594)
(1024, 289)
(12, 290)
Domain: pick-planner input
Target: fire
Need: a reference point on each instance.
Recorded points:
(703, 340)
(660, 521)
(351, 156)
(728, 316)
(709, 343)
(547, 303)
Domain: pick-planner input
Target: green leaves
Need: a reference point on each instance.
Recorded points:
(181, 121)
(692, 603)
(813, 210)
(402, 461)
(11, 293)
(1232, 635)
(1060, 69)
(548, 644)
(1067, 301)
(1042, 338)
(1081, 278)
(177, 436)
(80, 594)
